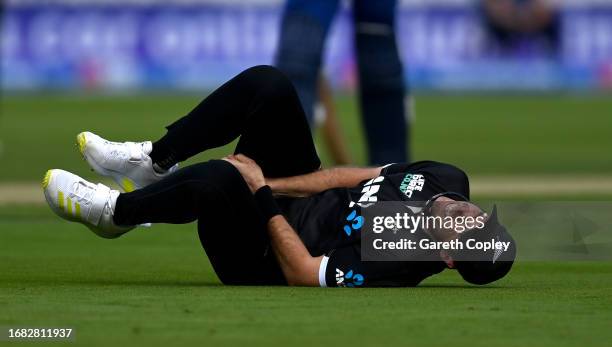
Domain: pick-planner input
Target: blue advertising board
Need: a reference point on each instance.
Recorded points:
(197, 46)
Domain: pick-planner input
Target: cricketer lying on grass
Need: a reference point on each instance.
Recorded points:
(269, 214)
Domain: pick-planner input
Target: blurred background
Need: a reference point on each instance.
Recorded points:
(516, 92)
(447, 45)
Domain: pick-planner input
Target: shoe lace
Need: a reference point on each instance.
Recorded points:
(84, 193)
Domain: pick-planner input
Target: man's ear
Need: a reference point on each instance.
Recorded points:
(447, 259)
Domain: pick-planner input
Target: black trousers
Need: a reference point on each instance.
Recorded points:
(261, 107)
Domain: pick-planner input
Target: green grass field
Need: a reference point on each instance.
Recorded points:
(483, 135)
(155, 287)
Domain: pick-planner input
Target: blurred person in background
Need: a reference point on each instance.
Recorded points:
(512, 23)
(304, 28)
(326, 115)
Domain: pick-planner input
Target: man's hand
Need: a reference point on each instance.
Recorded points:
(298, 266)
(250, 171)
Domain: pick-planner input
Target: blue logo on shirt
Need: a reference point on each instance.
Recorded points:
(357, 279)
(349, 279)
(356, 222)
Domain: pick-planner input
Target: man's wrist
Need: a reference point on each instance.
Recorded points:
(272, 183)
(266, 203)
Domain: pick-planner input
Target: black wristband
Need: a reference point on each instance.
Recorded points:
(266, 203)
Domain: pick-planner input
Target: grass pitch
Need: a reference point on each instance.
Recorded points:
(155, 287)
(483, 135)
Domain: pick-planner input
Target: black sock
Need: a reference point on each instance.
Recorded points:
(163, 155)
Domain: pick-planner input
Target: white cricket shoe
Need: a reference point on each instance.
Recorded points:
(128, 163)
(77, 200)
